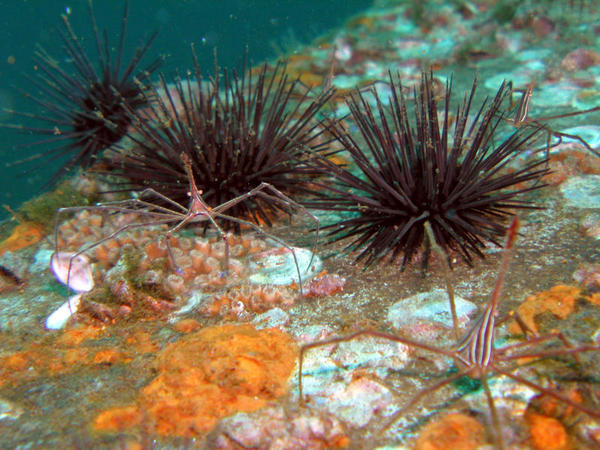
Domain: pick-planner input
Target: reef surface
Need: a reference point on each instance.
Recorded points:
(208, 358)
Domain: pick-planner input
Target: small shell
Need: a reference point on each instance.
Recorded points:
(59, 318)
(80, 276)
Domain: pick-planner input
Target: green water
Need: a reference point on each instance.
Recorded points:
(266, 28)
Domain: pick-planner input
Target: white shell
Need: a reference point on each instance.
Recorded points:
(59, 318)
(80, 276)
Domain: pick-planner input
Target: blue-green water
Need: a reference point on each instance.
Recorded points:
(266, 28)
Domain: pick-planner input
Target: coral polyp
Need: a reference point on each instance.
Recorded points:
(413, 170)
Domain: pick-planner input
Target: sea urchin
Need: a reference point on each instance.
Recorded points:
(235, 138)
(88, 109)
(450, 173)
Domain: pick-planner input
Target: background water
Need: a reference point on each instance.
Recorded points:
(267, 28)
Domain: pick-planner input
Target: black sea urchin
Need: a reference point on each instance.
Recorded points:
(235, 138)
(87, 109)
(452, 175)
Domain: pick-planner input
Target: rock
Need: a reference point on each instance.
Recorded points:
(580, 59)
(275, 317)
(582, 192)
(432, 306)
(271, 427)
(277, 266)
(342, 379)
(324, 285)
(41, 260)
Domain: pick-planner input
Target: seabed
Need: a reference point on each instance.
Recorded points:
(210, 361)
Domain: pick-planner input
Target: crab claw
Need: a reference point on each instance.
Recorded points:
(76, 270)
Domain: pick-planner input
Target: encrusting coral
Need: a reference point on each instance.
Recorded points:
(548, 421)
(24, 235)
(547, 433)
(208, 375)
(456, 431)
(78, 347)
(559, 300)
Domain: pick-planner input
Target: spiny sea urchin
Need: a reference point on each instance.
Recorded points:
(235, 138)
(88, 109)
(450, 173)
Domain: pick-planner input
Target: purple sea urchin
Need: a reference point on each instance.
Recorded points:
(452, 175)
(235, 138)
(88, 109)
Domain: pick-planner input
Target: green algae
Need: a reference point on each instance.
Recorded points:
(41, 209)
